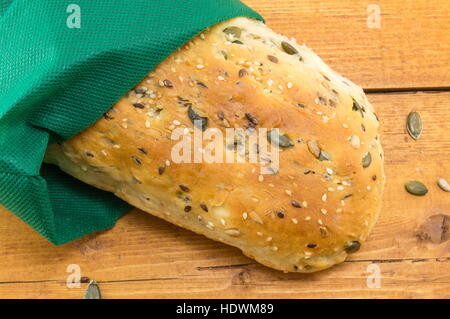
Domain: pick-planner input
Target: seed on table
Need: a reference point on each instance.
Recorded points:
(416, 188)
(414, 125)
(92, 291)
(443, 184)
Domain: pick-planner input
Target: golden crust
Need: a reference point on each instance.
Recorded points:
(128, 152)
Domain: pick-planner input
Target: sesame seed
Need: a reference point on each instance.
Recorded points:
(104, 152)
(329, 171)
(259, 234)
(369, 188)
(124, 125)
(323, 211)
(176, 122)
(295, 220)
(222, 221)
(116, 146)
(200, 66)
(275, 248)
(339, 210)
(290, 85)
(320, 222)
(167, 163)
(244, 216)
(305, 204)
(308, 218)
(340, 188)
(261, 178)
(324, 197)
(330, 189)
(221, 78)
(345, 125)
(269, 239)
(210, 225)
(255, 217)
(288, 192)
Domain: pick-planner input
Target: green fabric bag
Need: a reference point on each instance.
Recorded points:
(62, 65)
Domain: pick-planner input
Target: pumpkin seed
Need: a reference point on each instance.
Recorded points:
(235, 31)
(414, 125)
(416, 188)
(199, 122)
(366, 160)
(92, 291)
(225, 54)
(288, 48)
(357, 107)
(352, 247)
(282, 141)
(444, 185)
(324, 156)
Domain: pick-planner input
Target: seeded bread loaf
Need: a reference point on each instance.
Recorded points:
(308, 214)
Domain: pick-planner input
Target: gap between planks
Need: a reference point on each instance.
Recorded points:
(380, 261)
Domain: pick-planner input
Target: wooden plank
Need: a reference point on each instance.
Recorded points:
(407, 279)
(143, 256)
(410, 49)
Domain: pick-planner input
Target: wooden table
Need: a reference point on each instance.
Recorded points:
(404, 65)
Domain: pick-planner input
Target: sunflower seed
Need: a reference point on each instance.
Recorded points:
(414, 125)
(92, 291)
(282, 141)
(288, 48)
(416, 188)
(352, 247)
(232, 232)
(444, 185)
(199, 122)
(235, 31)
(314, 148)
(366, 160)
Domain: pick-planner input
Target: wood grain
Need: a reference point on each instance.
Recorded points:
(144, 257)
(410, 49)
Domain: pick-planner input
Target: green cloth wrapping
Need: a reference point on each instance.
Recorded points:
(56, 80)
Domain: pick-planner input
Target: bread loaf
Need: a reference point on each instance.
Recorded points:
(316, 207)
